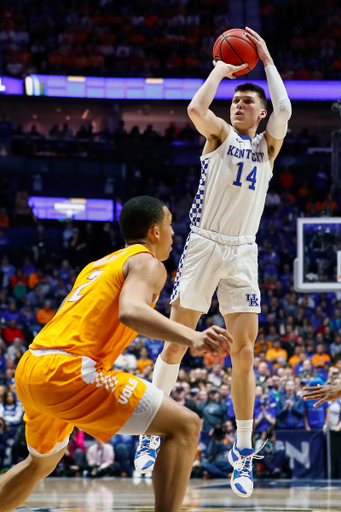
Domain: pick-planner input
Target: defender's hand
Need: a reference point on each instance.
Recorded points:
(228, 70)
(214, 340)
(326, 393)
(262, 49)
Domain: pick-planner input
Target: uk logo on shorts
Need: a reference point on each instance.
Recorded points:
(252, 299)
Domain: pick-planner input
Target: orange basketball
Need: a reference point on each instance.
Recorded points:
(235, 47)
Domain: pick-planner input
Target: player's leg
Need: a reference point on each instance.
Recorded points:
(165, 375)
(168, 363)
(180, 429)
(243, 327)
(193, 289)
(17, 484)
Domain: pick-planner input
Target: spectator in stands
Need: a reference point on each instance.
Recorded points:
(100, 459)
(335, 346)
(321, 357)
(27, 266)
(213, 411)
(11, 410)
(19, 447)
(287, 179)
(45, 314)
(11, 332)
(16, 350)
(144, 359)
(60, 291)
(27, 316)
(275, 352)
(67, 233)
(78, 249)
(298, 356)
(275, 388)
(35, 298)
(262, 374)
(275, 460)
(264, 411)
(7, 270)
(316, 417)
(74, 460)
(11, 313)
(179, 395)
(272, 199)
(216, 375)
(5, 435)
(335, 411)
(126, 362)
(215, 463)
(290, 408)
(23, 215)
(318, 317)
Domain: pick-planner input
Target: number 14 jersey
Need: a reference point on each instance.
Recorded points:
(233, 185)
(87, 324)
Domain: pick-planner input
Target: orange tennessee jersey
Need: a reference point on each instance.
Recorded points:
(87, 324)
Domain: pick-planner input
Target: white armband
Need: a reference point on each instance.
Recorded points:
(278, 122)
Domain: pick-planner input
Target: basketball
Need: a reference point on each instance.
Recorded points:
(234, 47)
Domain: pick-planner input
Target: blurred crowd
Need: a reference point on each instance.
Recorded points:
(108, 144)
(61, 141)
(298, 344)
(150, 38)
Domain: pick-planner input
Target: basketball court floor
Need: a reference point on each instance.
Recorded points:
(123, 495)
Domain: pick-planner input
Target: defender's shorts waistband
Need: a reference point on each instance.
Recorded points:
(224, 239)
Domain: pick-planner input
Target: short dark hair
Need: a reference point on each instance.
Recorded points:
(138, 215)
(255, 88)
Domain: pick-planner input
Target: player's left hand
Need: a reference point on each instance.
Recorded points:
(326, 393)
(262, 49)
(228, 70)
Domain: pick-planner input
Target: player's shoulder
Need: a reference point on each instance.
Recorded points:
(144, 262)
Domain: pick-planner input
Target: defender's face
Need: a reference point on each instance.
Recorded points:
(166, 236)
(246, 110)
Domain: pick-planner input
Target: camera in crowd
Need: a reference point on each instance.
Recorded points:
(219, 432)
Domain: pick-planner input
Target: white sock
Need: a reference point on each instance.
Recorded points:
(244, 434)
(165, 375)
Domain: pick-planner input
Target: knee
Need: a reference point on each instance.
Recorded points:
(43, 466)
(173, 353)
(190, 426)
(243, 354)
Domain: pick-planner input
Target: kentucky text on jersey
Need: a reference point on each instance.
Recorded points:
(245, 153)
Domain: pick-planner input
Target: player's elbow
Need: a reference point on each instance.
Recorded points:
(194, 111)
(126, 315)
(284, 109)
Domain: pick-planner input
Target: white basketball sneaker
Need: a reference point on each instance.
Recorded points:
(145, 454)
(242, 477)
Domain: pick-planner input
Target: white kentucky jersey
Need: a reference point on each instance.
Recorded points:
(233, 185)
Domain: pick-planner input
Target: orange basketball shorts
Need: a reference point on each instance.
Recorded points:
(60, 391)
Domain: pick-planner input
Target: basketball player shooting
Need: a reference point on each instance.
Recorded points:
(220, 251)
(64, 379)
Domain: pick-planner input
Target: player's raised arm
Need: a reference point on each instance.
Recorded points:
(144, 280)
(278, 122)
(205, 121)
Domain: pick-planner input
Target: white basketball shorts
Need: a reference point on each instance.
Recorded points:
(206, 265)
